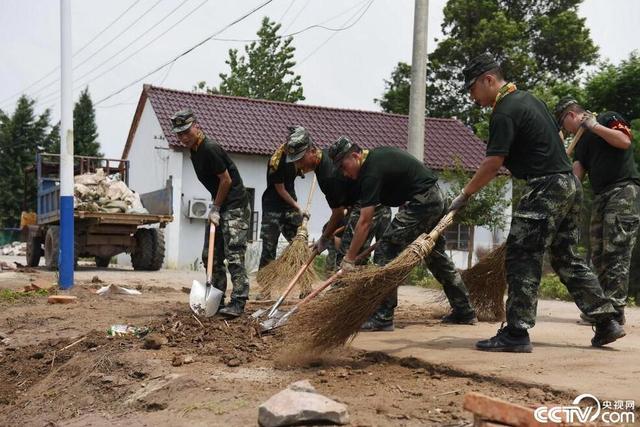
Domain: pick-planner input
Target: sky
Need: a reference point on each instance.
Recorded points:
(343, 69)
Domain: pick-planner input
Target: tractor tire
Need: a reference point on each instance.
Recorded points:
(157, 257)
(52, 247)
(34, 250)
(103, 261)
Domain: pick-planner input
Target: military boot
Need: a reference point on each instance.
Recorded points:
(507, 340)
(606, 332)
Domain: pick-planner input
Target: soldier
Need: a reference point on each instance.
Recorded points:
(281, 212)
(392, 177)
(381, 221)
(230, 211)
(604, 152)
(338, 190)
(523, 136)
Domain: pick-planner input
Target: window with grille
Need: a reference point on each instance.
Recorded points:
(457, 237)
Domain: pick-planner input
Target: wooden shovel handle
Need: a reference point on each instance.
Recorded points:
(575, 141)
(311, 191)
(212, 238)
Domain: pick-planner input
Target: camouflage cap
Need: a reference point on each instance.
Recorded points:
(562, 106)
(341, 148)
(477, 67)
(182, 120)
(299, 142)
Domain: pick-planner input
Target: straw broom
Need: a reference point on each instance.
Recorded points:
(275, 275)
(487, 280)
(330, 322)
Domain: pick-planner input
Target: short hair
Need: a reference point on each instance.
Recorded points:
(497, 72)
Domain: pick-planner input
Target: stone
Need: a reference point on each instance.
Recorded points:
(153, 342)
(177, 360)
(536, 394)
(293, 407)
(233, 362)
(189, 358)
(303, 385)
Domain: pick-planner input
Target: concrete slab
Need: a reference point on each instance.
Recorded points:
(562, 357)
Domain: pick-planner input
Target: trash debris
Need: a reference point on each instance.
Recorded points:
(14, 249)
(97, 192)
(120, 330)
(62, 299)
(115, 289)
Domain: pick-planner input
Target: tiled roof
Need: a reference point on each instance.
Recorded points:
(250, 126)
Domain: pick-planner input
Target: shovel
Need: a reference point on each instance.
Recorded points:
(205, 299)
(278, 319)
(273, 311)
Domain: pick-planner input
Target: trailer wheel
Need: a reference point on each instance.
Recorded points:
(52, 247)
(102, 261)
(34, 250)
(157, 257)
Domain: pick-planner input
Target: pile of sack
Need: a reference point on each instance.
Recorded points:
(97, 192)
(14, 249)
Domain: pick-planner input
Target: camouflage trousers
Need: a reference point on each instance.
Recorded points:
(379, 224)
(546, 218)
(275, 223)
(231, 239)
(420, 215)
(615, 217)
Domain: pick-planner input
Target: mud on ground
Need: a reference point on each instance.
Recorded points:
(59, 367)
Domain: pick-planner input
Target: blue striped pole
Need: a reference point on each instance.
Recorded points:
(66, 260)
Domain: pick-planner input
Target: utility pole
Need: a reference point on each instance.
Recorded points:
(415, 144)
(66, 259)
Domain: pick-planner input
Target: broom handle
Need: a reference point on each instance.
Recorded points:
(574, 141)
(212, 238)
(445, 222)
(292, 283)
(313, 188)
(337, 274)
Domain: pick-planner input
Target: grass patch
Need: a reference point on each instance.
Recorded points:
(552, 288)
(420, 276)
(9, 295)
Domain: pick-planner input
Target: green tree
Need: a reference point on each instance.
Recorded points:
(538, 42)
(485, 209)
(395, 98)
(85, 130)
(22, 134)
(616, 88)
(266, 69)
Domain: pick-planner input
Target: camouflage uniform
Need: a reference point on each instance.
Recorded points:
(615, 217)
(231, 244)
(273, 224)
(546, 217)
(419, 215)
(380, 223)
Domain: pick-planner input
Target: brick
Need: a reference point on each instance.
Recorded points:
(62, 299)
(500, 411)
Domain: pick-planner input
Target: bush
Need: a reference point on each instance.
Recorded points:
(552, 288)
(420, 276)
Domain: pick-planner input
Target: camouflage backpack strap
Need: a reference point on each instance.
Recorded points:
(274, 161)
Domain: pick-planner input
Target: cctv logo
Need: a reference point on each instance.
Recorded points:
(575, 413)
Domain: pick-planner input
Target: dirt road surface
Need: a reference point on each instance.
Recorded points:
(59, 367)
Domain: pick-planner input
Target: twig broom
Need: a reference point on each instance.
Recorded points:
(275, 275)
(330, 322)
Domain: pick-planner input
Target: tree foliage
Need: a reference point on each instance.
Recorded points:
(85, 130)
(538, 42)
(265, 71)
(22, 134)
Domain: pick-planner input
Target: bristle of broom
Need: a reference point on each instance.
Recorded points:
(276, 275)
(332, 320)
(487, 282)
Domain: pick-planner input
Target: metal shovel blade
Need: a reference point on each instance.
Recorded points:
(279, 318)
(204, 300)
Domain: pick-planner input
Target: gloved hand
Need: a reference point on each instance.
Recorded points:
(305, 215)
(588, 121)
(321, 244)
(459, 202)
(214, 215)
(347, 265)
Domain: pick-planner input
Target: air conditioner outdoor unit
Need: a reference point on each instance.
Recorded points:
(199, 208)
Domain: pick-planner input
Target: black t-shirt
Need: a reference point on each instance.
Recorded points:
(391, 176)
(523, 130)
(209, 160)
(284, 173)
(607, 165)
(338, 190)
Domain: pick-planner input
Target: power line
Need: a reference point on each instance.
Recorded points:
(286, 10)
(171, 27)
(75, 53)
(75, 67)
(186, 52)
(295, 18)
